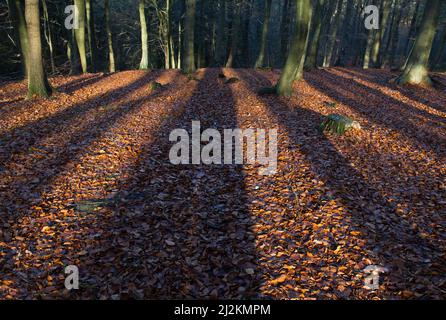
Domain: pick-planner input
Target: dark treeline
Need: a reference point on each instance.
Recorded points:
(293, 35)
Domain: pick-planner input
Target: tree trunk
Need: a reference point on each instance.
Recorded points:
(260, 62)
(413, 27)
(18, 20)
(80, 34)
(48, 35)
(91, 33)
(331, 42)
(416, 70)
(111, 53)
(285, 30)
(394, 36)
(38, 85)
(379, 34)
(348, 34)
(189, 32)
(220, 53)
(235, 35)
(311, 59)
(144, 65)
(170, 63)
(297, 50)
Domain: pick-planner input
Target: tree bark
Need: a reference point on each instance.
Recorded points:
(189, 32)
(18, 20)
(91, 33)
(48, 35)
(416, 70)
(260, 62)
(234, 35)
(311, 58)
(379, 34)
(331, 42)
(220, 53)
(80, 34)
(38, 85)
(297, 50)
(111, 53)
(285, 30)
(144, 64)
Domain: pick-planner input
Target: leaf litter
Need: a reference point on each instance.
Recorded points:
(85, 180)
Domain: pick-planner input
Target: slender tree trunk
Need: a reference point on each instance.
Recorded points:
(48, 35)
(221, 35)
(73, 52)
(18, 20)
(38, 85)
(111, 53)
(180, 45)
(80, 34)
(413, 27)
(311, 58)
(348, 34)
(260, 62)
(235, 35)
(170, 56)
(297, 50)
(379, 34)
(91, 33)
(285, 30)
(189, 32)
(331, 42)
(416, 70)
(144, 65)
(394, 36)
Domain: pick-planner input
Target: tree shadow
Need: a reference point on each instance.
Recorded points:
(415, 261)
(415, 93)
(34, 132)
(79, 83)
(25, 181)
(376, 110)
(171, 231)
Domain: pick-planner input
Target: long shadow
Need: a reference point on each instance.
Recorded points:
(376, 112)
(32, 133)
(82, 83)
(199, 209)
(178, 231)
(12, 108)
(382, 79)
(414, 93)
(388, 237)
(20, 195)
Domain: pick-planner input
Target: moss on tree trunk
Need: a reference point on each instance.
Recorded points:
(416, 69)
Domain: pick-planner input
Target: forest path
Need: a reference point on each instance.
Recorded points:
(85, 180)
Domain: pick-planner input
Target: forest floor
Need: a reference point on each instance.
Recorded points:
(85, 180)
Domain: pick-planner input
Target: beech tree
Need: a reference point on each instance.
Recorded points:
(189, 57)
(80, 34)
(416, 69)
(298, 46)
(38, 85)
(144, 64)
(260, 62)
